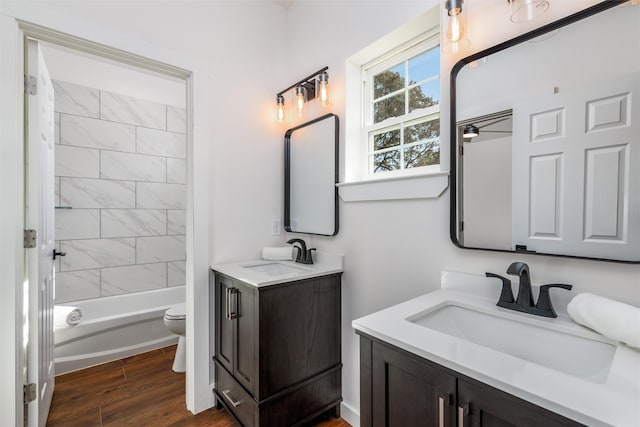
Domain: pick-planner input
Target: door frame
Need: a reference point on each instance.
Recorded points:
(110, 44)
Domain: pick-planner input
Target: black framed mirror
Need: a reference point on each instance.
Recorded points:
(545, 140)
(310, 177)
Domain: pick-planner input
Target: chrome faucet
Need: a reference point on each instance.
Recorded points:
(303, 255)
(524, 302)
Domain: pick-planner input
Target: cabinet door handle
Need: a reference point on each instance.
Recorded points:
(442, 400)
(228, 303)
(462, 411)
(233, 294)
(235, 403)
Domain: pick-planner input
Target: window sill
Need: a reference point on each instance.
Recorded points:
(415, 186)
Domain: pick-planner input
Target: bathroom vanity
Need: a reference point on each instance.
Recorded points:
(278, 342)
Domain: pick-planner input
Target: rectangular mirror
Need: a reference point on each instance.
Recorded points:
(554, 166)
(310, 177)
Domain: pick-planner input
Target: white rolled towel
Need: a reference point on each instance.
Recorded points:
(613, 319)
(65, 315)
(277, 253)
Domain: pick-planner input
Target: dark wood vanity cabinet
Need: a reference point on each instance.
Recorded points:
(278, 349)
(398, 388)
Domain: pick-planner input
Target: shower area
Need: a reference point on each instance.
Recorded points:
(120, 181)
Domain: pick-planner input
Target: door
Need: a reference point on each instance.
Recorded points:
(574, 191)
(224, 322)
(40, 217)
(246, 356)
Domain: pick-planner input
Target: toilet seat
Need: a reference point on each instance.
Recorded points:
(176, 312)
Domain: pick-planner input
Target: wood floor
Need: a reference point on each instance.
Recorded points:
(140, 390)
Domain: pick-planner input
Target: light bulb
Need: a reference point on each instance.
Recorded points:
(300, 99)
(323, 79)
(456, 29)
(280, 101)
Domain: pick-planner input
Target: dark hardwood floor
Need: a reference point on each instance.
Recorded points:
(140, 390)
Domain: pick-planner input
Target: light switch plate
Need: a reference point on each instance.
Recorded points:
(276, 230)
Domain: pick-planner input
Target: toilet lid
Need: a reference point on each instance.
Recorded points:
(176, 312)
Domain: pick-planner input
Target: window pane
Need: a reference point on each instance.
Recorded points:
(390, 107)
(422, 131)
(386, 139)
(387, 161)
(425, 65)
(425, 95)
(388, 81)
(422, 155)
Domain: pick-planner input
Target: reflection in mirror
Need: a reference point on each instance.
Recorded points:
(311, 159)
(555, 167)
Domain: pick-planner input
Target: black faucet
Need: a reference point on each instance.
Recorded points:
(303, 255)
(524, 302)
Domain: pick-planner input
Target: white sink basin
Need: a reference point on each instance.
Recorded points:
(274, 268)
(571, 354)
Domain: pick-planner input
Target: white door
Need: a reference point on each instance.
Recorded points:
(40, 217)
(574, 191)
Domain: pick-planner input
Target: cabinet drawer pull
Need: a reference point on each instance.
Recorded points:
(235, 403)
(441, 409)
(462, 411)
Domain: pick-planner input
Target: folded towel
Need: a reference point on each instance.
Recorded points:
(278, 253)
(613, 319)
(64, 315)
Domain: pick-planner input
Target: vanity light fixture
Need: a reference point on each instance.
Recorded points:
(455, 22)
(527, 10)
(307, 89)
(471, 130)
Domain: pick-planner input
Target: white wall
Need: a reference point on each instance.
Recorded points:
(395, 250)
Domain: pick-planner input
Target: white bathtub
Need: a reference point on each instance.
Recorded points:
(116, 327)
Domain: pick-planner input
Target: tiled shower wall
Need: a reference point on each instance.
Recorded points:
(120, 167)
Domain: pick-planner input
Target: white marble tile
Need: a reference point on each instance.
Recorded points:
(161, 143)
(93, 133)
(77, 285)
(134, 167)
(97, 193)
(176, 220)
(96, 253)
(75, 99)
(56, 263)
(133, 111)
(160, 196)
(77, 162)
(176, 171)
(57, 190)
(157, 249)
(177, 273)
(133, 278)
(176, 119)
(77, 224)
(56, 118)
(133, 222)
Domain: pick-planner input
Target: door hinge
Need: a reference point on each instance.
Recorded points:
(30, 392)
(461, 151)
(30, 85)
(461, 226)
(30, 239)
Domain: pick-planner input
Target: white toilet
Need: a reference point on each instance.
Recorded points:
(174, 320)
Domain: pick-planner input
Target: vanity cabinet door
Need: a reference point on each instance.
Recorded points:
(225, 353)
(480, 405)
(246, 360)
(407, 392)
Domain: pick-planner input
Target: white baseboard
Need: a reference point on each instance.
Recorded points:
(350, 415)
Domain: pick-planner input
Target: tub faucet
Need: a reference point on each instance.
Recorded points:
(303, 255)
(524, 302)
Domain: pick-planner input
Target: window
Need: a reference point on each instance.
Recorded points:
(401, 100)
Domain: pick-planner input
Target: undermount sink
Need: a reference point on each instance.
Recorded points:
(274, 268)
(571, 354)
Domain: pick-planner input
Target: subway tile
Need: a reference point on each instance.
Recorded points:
(97, 193)
(133, 111)
(56, 118)
(133, 278)
(162, 248)
(133, 222)
(160, 196)
(77, 224)
(161, 143)
(77, 162)
(97, 253)
(77, 285)
(176, 119)
(134, 167)
(93, 133)
(177, 273)
(176, 220)
(75, 99)
(176, 171)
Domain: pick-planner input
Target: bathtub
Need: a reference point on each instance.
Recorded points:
(116, 327)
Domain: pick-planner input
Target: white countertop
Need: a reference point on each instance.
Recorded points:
(323, 264)
(614, 402)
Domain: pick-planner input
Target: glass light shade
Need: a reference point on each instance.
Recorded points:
(280, 101)
(455, 24)
(323, 94)
(300, 99)
(527, 10)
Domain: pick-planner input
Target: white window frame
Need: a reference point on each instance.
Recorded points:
(401, 54)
